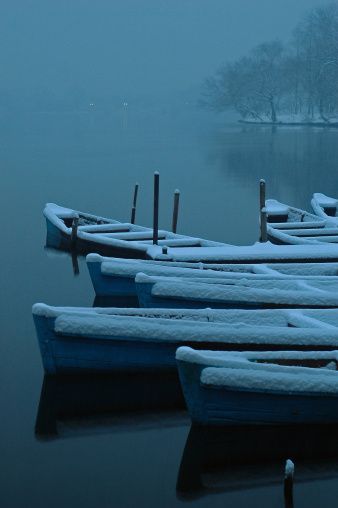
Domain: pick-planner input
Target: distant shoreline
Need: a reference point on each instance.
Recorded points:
(292, 124)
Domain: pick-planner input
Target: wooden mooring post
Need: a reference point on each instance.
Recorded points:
(288, 483)
(156, 206)
(262, 213)
(175, 212)
(133, 209)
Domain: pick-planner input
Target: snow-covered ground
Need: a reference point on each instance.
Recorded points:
(299, 119)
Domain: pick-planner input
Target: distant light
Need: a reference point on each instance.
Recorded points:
(125, 104)
(92, 104)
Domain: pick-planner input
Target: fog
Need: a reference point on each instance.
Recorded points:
(131, 48)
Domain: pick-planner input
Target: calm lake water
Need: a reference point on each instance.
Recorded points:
(90, 161)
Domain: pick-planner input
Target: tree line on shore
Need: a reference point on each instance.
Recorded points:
(296, 81)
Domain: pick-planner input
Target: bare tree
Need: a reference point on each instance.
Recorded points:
(299, 78)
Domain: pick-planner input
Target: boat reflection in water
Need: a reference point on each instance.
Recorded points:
(77, 405)
(223, 459)
(116, 301)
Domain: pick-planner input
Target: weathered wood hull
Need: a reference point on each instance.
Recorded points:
(221, 405)
(67, 352)
(58, 239)
(106, 286)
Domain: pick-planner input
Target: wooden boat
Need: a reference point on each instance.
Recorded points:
(197, 293)
(74, 339)
(259, 387)
(113, 238)
(107, 236)
(325, 207)
(216, 460)
(116, 277)
(76, 405)
(289, 225)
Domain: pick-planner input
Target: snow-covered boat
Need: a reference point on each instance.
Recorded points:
(246, 293)
(259, 387)
(265, 252)
(93, 339)
(325, 207)
(116, 276)
(107, 236)
(112, 238)
(76, 405)
(226, 459)
(292, 226)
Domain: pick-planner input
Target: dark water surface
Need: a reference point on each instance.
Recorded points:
(90, 161)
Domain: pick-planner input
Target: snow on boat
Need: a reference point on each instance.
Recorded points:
(113, 238)
(265, 252)
(116, 276)
(197, 293)
(100, 340)
(325, 207)
(77, 405)
(289, 225)
(107, 236)
(259, 387)
(222, 459)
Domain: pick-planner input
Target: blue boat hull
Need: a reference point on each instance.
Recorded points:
(71, 353)
(210, 405)
(106, 285)
(63, 353)
(58, 239)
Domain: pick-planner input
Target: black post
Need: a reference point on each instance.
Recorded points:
(133, 210)
(156, 206)
(262, 212)
(288, 483)
(175, 212)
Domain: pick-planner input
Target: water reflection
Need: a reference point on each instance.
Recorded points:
(295, 161)
(217, 168)
(116, 301)
(77, 405)
(218, 460)
(72, 255)
(75, 263)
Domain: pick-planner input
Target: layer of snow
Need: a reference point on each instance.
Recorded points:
(235, 318)
(324, 201)
(302, 227)
(259, 252)
(96, 234)
(274, 207)
(224, 358)
(289, 469)
(288, 380)
(293, 118)
(282, 292)
(119, 268)
(272, 283)
(273, 269)
(122, 327)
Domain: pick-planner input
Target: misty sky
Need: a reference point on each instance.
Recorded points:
(133, 47)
